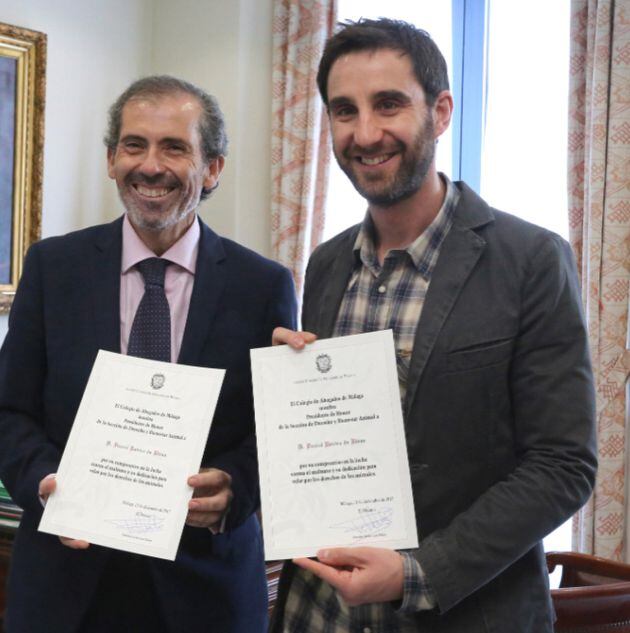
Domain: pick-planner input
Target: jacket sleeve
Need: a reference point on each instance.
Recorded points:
(552, 399)
(27, 455)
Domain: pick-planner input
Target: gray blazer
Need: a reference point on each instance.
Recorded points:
(499, 413)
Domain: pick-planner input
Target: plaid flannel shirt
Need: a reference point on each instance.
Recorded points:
(378, 298)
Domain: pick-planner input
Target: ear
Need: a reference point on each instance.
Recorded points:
(213, 171)
(110, 164)
(442, 111)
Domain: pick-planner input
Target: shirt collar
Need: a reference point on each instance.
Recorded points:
(183, 252)
(424, 245)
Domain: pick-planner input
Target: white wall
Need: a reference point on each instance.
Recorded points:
(97, 47)
(225, 48)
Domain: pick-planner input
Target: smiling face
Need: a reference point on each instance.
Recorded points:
(383, 131)
(158, 165)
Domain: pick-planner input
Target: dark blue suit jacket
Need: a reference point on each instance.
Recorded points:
(65, 310)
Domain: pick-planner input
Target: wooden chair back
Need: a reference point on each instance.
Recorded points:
(594, 594)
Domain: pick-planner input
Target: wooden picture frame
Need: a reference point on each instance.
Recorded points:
(22, 96)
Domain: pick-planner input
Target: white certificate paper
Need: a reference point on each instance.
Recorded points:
(139, 433)
(331, 447)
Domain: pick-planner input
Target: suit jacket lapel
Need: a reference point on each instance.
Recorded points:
(458, 255)
(105, 273)
(210, 279)
(335, 286)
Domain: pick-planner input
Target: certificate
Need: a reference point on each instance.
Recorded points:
(331, 447)
(139, 433)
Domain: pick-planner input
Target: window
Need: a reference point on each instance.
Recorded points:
(524, 152)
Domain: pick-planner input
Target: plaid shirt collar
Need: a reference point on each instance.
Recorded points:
(423, 251)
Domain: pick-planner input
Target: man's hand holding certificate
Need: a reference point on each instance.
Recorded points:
(138, 435)
(332, 455)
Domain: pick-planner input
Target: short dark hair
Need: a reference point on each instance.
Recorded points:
(214, 140)
(428, 62)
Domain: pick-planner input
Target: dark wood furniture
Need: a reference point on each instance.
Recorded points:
(594, 594)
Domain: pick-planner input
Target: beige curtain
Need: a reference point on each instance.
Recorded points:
(599, 200)
(300, 138)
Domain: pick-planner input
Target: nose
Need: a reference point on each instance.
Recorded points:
(367, 131)
(151, 162)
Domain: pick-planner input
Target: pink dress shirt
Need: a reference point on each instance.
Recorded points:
(178, 281)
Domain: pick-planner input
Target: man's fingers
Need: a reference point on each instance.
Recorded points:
(47, 486)
(341, 557)
(296, 340)
(203, 519)
(360, 575)
(74, 543)
(210, 480)
(212, 496)
(284, 336)
(215, 503)
(331, 575)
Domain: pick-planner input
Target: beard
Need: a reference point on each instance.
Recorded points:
(151, 215)
(408, 178)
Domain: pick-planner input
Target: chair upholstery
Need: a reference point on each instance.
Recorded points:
(594, 594)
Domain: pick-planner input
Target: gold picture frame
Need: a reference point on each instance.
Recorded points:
(22, 97)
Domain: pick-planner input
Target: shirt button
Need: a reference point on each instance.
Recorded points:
(381, 289)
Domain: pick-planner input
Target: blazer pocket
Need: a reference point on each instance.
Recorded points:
(484, 354)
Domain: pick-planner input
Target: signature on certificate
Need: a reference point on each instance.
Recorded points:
(367, 523)
(142, 524)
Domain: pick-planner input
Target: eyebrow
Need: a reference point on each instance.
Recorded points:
(162, 141)
(339, 101)
(175, 140)
(131, 137)
(398, 95)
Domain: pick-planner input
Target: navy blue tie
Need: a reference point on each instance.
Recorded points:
(150, 335)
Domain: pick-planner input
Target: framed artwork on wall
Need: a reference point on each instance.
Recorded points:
(22, 96)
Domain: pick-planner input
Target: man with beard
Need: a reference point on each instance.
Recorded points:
(83, 292)
(492, 359)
